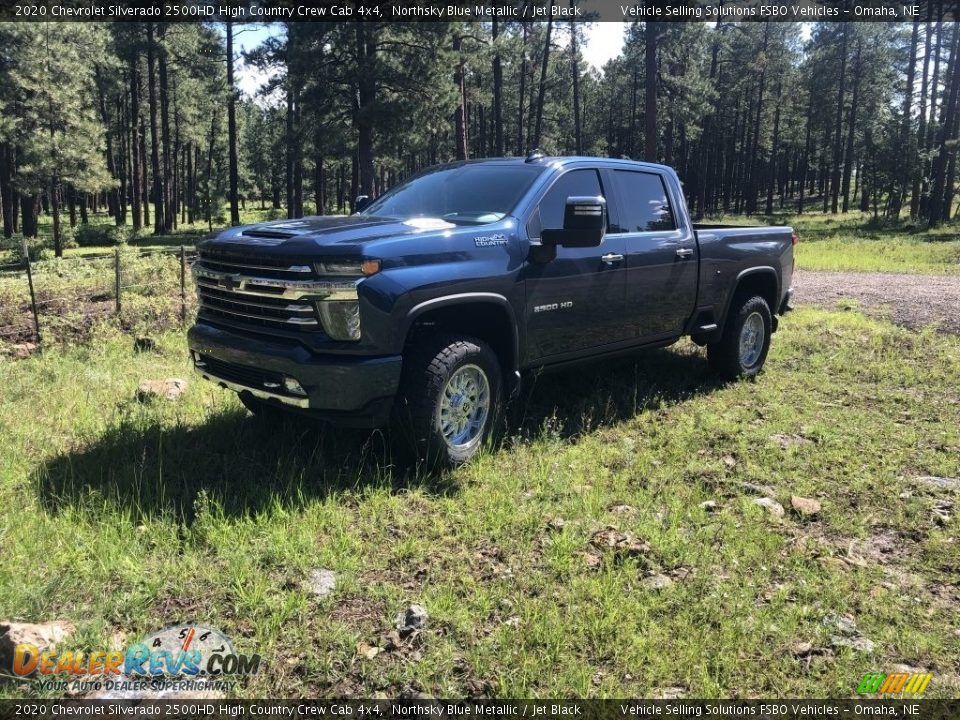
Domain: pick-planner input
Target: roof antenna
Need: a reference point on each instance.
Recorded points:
(534, 155)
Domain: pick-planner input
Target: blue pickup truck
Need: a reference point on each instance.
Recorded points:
(425, 308)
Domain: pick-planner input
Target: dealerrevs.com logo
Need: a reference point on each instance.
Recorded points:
(181, 657)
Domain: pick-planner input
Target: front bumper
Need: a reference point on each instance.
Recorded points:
(357, 392)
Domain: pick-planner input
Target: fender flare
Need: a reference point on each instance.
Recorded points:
(471, 298)
(761, 269)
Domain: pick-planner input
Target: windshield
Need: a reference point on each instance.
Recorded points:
(461, 194)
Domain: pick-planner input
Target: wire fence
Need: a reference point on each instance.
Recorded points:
(54, 301)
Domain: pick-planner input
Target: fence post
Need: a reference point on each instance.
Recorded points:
(183, 284)
(33, 295)
(116, 277)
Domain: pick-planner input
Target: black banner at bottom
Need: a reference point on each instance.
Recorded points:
(494, 709)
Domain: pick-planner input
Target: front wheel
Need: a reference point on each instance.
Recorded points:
(742, 349)
(449, 400)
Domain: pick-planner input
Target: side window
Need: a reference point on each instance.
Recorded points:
(646, 206)
(549, 215)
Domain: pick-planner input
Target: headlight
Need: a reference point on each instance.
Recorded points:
(357, 268)
(341, 319)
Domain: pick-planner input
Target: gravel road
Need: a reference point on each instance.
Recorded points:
(914, 301)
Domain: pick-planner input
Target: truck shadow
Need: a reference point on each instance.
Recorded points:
(246, 465)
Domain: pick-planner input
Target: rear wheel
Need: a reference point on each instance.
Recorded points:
(450, 399)
(742, 350)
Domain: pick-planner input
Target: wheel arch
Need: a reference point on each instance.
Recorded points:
(486, 316)
(762, 281)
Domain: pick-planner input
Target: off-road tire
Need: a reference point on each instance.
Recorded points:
(427, 369)
(725, 355)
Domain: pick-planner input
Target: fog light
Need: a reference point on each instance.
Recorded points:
(341, 319)
(291, 385)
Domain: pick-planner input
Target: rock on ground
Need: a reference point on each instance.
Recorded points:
(169, 389)
(656, 582)
(411, 620)
(771, 506)
(322, 583)
(23, 350)
(609, 538)
(805, 507)
(44, 636)
(939, 483)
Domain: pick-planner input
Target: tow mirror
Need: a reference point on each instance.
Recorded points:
(361, 202)
(584, 224)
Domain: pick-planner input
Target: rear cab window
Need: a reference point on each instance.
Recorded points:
(646, 205)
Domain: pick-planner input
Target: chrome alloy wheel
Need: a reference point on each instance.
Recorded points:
(464, 407)
(752, 337)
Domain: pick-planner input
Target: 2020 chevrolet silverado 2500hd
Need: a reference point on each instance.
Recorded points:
(427, 305)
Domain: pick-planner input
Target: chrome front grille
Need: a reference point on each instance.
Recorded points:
(262, 291)
(257, 264)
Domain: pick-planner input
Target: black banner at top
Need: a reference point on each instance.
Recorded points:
(480, 10)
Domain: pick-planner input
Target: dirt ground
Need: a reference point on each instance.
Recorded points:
(914, 301)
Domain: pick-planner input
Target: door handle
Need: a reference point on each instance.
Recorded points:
(684, 252)
(611, 258)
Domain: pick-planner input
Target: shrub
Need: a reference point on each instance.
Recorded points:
(36, 247)
(97, 235)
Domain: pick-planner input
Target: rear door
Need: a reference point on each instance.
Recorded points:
(661, 255)
(574, 301)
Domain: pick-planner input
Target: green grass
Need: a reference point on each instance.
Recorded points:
(121, 516)
(855, 242)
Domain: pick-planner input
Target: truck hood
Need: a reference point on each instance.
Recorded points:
(336, 234)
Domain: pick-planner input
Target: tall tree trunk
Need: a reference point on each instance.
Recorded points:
(158, 190)
(905, 167)
(135, 180)
(113, 202)
(541, 95)
(366, 96)
(460, 114)
(774, 152)
(232, 131)
(521, 150)
(297, 160)
(918, 166)
(704, 169)
(650, 87)
(838, 125)
(28, 211)
(319, 184)
(6, 189)
(938, 213)
(123, 171)
(290, 151)
(575, 69)
(498, 148)
(168, 207)
(805, 167)
(851, 131)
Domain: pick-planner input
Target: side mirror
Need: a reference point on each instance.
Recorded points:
(361, 202)
(584, 224)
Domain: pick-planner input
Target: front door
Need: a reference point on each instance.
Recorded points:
(574, 301)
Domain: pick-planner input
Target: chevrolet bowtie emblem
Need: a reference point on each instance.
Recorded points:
(230, 282)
